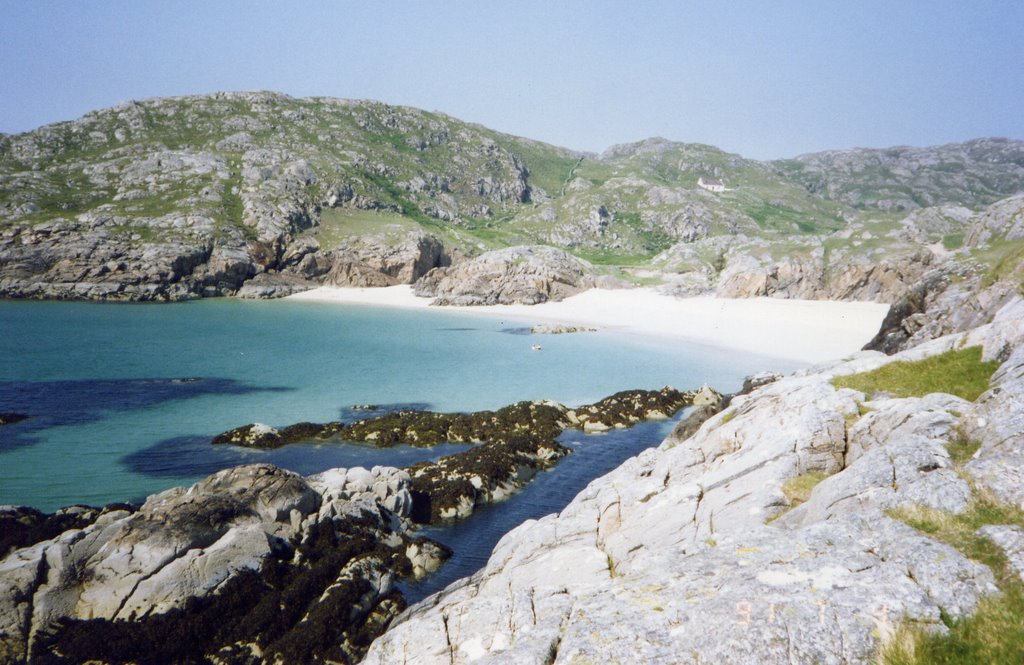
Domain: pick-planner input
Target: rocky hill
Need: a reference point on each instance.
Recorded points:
(261, 194)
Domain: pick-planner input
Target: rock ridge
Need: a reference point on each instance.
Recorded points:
(695, 550)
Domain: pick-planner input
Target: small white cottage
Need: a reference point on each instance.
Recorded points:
(711, 184)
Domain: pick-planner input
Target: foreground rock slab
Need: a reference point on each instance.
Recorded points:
(694, 551)
(253, 564)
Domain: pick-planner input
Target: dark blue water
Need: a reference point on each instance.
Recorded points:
(592, 456)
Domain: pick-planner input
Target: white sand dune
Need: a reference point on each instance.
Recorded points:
(804, 330)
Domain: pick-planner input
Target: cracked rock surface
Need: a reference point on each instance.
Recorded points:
(252, 562)
(691, 550)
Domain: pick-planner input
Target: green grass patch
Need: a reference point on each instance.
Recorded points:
(958, 372)
(798, 489)
(610, 257)
(994, 633)
(952, 241)
(1005, 260)
(338, 225)
(961, 449)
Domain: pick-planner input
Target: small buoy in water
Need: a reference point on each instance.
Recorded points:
(535, 347)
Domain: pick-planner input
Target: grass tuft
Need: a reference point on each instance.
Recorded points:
(958, 372)
(798, 489)
(994, 633)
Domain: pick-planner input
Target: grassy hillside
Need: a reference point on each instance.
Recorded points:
(263, 166)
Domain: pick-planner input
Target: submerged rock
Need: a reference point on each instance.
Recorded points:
(9, 418)
(559, 329)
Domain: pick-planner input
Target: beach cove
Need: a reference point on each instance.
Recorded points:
(805, 331)
(128, 397)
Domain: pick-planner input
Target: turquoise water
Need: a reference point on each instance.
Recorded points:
(123, 399)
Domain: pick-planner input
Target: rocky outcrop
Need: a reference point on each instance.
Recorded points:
(517, 275)
(695, 551)
(845, 277)
(274, 285)
(513, 443)
(936, 306)
(415, 255)
(174, 198)
(905, 178)
(1003, 220)
(253, 564)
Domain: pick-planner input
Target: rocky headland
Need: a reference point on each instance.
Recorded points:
(703, 548)
(305, 568)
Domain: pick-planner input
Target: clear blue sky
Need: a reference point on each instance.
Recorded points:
(763, 78)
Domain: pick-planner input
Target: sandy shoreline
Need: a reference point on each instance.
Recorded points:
(804, 330)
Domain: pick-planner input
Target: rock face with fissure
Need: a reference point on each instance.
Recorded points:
(251, 563)
(692, 550)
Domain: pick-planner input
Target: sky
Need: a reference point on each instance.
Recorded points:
(767, 79)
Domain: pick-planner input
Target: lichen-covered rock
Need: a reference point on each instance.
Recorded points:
(524, 275)
(252, 564)
(997, 422)
(694, 551)
(1010, 539)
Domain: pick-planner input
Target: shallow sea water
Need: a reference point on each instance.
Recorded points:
(123, 399)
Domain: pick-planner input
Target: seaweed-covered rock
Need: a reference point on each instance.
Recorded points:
(454, 485)
(425, 428)
(8, 418)
(259, 435)
(21, 526)
(253, 564)
(513, 443)
(629, 407)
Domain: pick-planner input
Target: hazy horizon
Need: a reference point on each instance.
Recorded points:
(764, 82)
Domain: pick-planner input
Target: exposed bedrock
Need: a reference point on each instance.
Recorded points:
(252, 564)
(935, 306)
(524, 275)
(695, 551)
(93, 259)
(842, 278)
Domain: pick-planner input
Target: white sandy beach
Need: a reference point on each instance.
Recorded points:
(804, 330)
